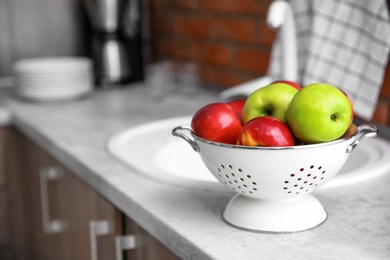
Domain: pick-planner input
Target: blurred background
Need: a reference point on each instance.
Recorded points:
(228, 40)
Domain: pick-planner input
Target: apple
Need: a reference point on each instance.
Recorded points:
(350, 103)
(291, 83)
(319, 113)
(350, 131)
(265, 131)
(237, 105)
(271, 100)
(217, 122)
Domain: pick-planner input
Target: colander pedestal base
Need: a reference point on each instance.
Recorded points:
(274, 216)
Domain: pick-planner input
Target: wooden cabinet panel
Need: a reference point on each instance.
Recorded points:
(81, 206)
(3, 190)
(67, 200)
(28, 236)
(18, 211)
(74, 217)
(102, 210)
(70, 202)
(147, 247)
(3, 144)
(3, 221)
(55, 215)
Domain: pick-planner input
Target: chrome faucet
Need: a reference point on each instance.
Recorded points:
(280, 16)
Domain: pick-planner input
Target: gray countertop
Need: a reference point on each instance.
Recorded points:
(189, 221)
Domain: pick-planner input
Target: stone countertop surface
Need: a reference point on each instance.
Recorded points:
(188, 221)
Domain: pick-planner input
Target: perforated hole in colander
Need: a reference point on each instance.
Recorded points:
(236, 178)
(304, 180)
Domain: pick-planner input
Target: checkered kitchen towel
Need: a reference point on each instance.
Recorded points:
(341, 42)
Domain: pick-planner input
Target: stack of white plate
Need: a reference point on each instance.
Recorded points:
(53, 78)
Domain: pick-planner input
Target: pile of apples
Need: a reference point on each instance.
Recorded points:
(280, 114)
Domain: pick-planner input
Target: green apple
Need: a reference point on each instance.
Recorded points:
(319, 113)
(271, 100)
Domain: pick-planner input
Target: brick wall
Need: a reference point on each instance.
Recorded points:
(228, 39)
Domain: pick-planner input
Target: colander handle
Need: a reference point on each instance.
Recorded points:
(193, 144)
(370, 131)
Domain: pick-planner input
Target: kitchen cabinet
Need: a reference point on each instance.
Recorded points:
(146, 246)
(53, 214)
(4, 237)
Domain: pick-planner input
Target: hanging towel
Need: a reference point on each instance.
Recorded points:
(344, 43)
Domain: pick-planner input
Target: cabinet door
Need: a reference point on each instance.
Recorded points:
(54, 214)
(28, 237)
(5, 252)
(146, 246)
(90, 222)
(18, 215)
(3, 189)
(104, 213)
(42, 200)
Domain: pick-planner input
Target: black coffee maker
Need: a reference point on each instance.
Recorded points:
(116, 41)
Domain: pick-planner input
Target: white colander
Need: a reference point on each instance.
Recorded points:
(273, 184)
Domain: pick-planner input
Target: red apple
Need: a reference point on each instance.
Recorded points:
(217, 122)
(289, 82)
(265, 131)
(237, 106)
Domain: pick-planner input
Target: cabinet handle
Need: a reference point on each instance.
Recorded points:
(124, 243)
(97, 228)
(50, 226)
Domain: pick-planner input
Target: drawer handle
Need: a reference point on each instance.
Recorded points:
(97, 228)
(50, 226)
(124, 243)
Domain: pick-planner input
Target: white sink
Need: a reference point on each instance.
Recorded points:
(153, 152)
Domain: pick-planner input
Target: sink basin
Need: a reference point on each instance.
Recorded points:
(153, 152)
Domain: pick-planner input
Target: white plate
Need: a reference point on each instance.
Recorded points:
(54, 87)
(40, 96)
(153, 152)
(50, 77)
(52, 64)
